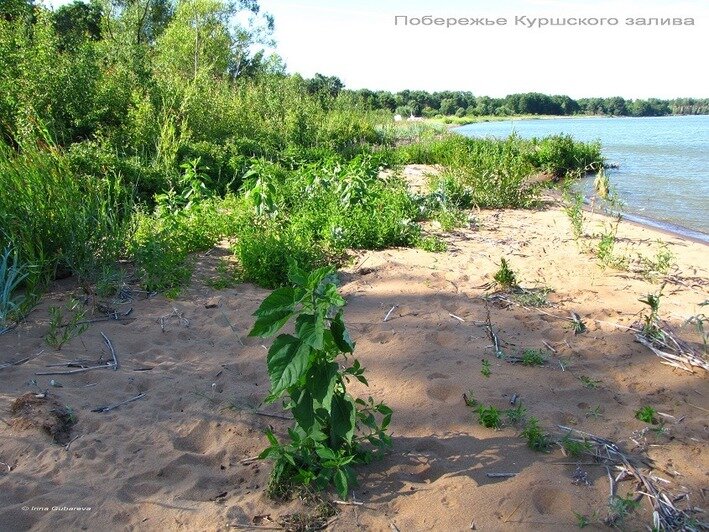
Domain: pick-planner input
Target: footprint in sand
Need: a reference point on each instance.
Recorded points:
(439, 391)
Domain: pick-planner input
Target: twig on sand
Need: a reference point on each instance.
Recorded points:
(9, 364)
(456, 317)
(348, 503)
(113, 351)
(108, 365)
(389, 313)
(666, 516)
(500, 475)
(103, 409)
(184, 322)
(233, 329)
(394, 527)
(254, 527)
(681, 358)
(492, 335)
(9, 469)
(66, 447)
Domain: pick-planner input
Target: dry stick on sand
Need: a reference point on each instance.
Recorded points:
(683, 359)
(389, 313)
(108, 365)
(103, 409)
(492, 335)
(113, 351)
(666, 516)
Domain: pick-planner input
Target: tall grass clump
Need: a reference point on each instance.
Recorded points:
(56, 221)
(12, 273)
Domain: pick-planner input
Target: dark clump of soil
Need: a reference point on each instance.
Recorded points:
(39, 411)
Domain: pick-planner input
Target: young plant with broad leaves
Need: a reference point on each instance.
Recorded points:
(333, 431)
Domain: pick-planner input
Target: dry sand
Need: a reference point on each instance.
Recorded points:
(171, 460)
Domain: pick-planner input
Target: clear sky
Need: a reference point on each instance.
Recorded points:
(359, 42)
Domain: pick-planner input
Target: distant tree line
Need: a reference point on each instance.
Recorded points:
(464, 103)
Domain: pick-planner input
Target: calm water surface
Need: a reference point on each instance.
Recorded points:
(664, 162)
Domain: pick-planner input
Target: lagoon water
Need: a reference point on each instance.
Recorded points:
(663, 173)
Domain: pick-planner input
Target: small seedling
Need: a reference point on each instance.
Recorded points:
(59, 332)
(505, 277)
(432, 244)
(582, 521)
(577, 324)
(651, 325)
(620, 507)
(590, 383)
(533, 357)
(647, 415)
(486, 369)
(573, 447)
(595, 412)
(574, 211)
(537, 440)
(515, 415)
(470, 399)
(489, 417)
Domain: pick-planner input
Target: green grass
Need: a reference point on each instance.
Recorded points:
(533, 357)
(537, 439)
(489, 417)
(504, 276)
(647, 414)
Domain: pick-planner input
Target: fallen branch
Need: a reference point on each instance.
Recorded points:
(500, 475)
(113, 351)
(389, 313)
(108, 365)
(102, 409)
(493, 336)
(683, 359)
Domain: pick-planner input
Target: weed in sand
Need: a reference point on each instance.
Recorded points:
(582, 521)
(432, 244)
(590, 383)
(59, 332)
(651, 321)
(660, 265)
(532, 297)
(486, 368)
(227, 276)
(516, 414)
(469, 399)
(537, 439)
(577, 324)
(12, 273)
(620, 507)
(595, 412)
(489, 417)
(647, 415)
(699, 320)
(573, 447)
(575, 213)
(533, 357)
(505, 277)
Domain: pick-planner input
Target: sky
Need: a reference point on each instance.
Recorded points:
(360, 43)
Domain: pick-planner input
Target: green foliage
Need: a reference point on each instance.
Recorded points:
(575, 448)
(537, 439)
(516, 414)
(660, 265)
(589, 382)
(331, 427)
(60, 332)
(651, 321)
(489, 417)
(58, 221)
(533, 357)
(432, 244)
(620, 507)
(574, 211)
(12, 273)
(485, 371)
(504, 276)
(647, 414)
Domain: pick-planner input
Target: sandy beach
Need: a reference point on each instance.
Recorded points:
(177, 457)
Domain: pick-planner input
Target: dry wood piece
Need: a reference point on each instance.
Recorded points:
(666, 516)
(113, 351)
(674, 353)
(103, 409)
(389, 313)
(500, 475)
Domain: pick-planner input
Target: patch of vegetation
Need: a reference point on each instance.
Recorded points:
(537, 439)
(647, 414)
(61, 332)
(516, 414)
(590, 383)
(531, 297)
(489, 417)
(432, 244)
(227, 276)
(620, 507)
(533, 357)
(651, 321)
(333, 431)
(485, 371)
(595, 412)
(577, 324)
(504, 276)
(661, 264)
(12, 273)
(574, 211)
(575, 448)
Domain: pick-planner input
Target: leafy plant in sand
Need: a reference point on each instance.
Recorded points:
(333, 431)
(504, 276)
(11, 275)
